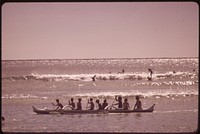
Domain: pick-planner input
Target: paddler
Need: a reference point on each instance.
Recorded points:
(99, 105)
(105, 104)
(126, 104)
(91, 107)
(59, 105)
(119, 99)
(138, 104)
(79, 106)
(72, 104)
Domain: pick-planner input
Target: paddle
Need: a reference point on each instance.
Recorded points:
(68, 105)
(53, 105)
(87, 103)
(113, 102)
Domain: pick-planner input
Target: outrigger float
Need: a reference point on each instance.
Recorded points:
(108, 109)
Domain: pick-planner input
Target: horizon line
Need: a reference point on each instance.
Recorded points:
(98, 58)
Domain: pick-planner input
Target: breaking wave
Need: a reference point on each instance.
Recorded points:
(102, 77)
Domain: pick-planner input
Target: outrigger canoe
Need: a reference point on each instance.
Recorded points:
(106, 110)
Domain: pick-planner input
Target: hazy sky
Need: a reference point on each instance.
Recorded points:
(99, 30)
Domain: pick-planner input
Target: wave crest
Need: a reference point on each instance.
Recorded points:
(102, 77)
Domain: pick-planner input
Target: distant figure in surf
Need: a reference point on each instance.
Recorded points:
(121, 71)
(94, 78)
(72, 104)
(59, 105)
(138, 104)
(174, 72)
(151, 72)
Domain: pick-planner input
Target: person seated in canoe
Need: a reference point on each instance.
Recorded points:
(119, 99)
(59, 105)
(99, 105)
(138, 104)
(91, 107)
(105, 104)
(79, 105)
(126, 104)
(72, 104)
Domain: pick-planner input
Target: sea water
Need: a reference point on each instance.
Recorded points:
(173, 88)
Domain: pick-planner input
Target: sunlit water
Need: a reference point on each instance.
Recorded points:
(174, 90)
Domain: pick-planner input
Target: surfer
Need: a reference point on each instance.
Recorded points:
(119, 99)
(138, 104)
(151, 72)
(72, 104)
(99, 105)
(59, 105)
(91, 107)
(94, 78)
(79, 106)
(121, 72)
(126, 104)
(105, 104)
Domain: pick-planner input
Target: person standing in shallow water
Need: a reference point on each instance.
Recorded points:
(79, 105)
(138, 104)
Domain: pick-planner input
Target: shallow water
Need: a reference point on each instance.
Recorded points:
(170, 115)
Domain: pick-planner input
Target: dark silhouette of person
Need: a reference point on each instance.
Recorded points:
(79, 105)
(126, 104)
(119, 99)
(138, 104)
(72, 104)
(91, 107)
(94, 78)
(105, 104)
(151, 73)
(59, 105)
(123, 71)
(99, 105)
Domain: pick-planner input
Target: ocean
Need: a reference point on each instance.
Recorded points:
(173, 88)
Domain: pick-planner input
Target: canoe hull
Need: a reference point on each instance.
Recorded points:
(46, 111)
